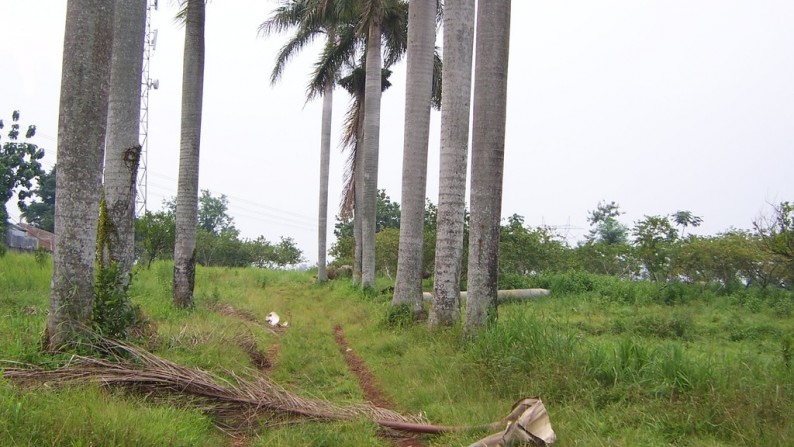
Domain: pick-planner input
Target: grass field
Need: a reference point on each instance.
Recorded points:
(617, 364)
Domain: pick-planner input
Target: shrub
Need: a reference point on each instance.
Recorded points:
(113, 314)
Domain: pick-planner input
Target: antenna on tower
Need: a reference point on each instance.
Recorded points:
(150, 43)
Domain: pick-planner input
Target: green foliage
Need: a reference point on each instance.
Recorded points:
(213, 213)
(387, 245)
(387, 238)
(654, 238)
(114, 315)
(633, 372)
(606, 229)
(154, 236)
(686, 219)
(400, 316)
(218, 242)
(41, 213)
(524, 250)
(42, 256)
(777, 237)
(19, 167)
(221, 249)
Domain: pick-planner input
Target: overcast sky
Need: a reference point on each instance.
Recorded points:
(658, 105)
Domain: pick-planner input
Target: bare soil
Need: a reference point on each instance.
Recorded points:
(369, 385)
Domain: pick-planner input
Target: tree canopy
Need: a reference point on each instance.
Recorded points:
(19, 166)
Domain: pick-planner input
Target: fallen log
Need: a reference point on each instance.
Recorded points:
(504, 295)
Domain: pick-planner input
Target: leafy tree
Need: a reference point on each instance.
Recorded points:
(154, 236)
(777, 237)
(387, 244)
(654, 240)
(731, 259)
(608, 259)
(41, 213)
(524, 250)
(263, 253)
(287, 253)
(221, 249)
(606, 229)
(388, 217)
(213, 215)
(19, 166)
(686, 219)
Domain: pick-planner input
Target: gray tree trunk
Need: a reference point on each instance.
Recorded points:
(455, 113)
(358, 189)
(82, 121)
(325, 156)
(418, 94)
(122, 147)
(487, 166)
(187, 188)
(372, 95)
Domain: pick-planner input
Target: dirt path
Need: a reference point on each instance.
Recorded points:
(369, 385)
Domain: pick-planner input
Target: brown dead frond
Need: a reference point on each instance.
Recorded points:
(240, 404)
(235, 405)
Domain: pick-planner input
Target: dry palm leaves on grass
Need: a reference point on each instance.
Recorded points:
(245, 403)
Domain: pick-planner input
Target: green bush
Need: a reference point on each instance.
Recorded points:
(113, 314)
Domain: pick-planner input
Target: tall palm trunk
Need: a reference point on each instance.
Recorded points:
(358, 190)
(325, 156)
(122, 147)
(187, 188)
(418, 96)
(82, 122)
(372, 95)
(456, 88)
(488, 139)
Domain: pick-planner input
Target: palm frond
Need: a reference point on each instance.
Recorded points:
(394, 32)
(438, 66)
(303, 37)
(342, 50)
(283, 18)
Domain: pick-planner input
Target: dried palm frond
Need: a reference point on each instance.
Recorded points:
(243, 403)
(236, 405)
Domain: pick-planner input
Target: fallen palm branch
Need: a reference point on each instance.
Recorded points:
(242, 403)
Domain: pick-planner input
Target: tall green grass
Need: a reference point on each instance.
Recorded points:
(616, 363)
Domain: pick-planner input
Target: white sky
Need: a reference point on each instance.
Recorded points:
(659, 105)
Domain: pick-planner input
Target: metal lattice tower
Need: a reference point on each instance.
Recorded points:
(150, 43)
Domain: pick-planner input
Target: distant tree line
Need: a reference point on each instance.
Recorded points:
(218, 241)
(655, 248)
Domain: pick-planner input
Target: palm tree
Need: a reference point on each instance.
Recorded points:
(372, 96)
(349, 22)
(418, 99)
(187, 188)
(310, 19)
(85, 81)
(488, 138)
(685, 219)
(122, 148)
(458, 50)
(365, 25)
(352, 140)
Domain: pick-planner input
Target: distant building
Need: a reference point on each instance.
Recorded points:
(45, 238)
(26, 237)
(17, 238)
